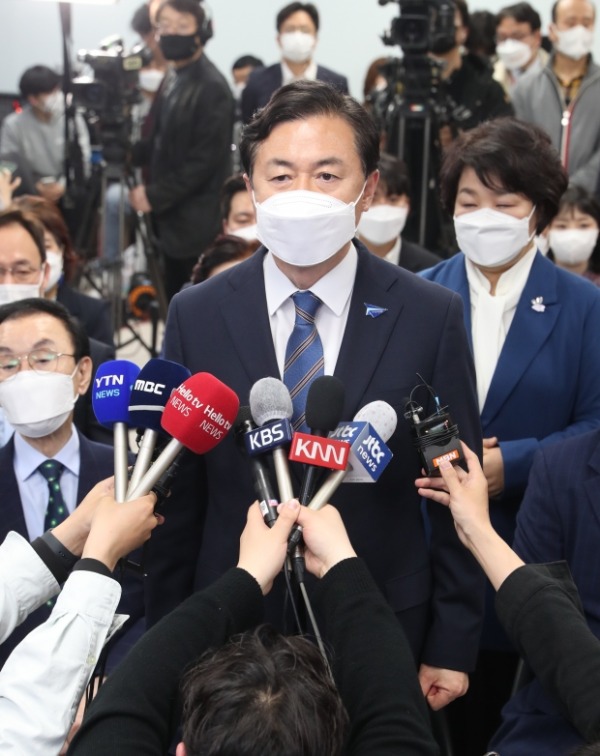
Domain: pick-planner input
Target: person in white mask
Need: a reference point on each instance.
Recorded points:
(380, 228)
(564, 97)
(573, 234)
(24, 270)
(518, 44)
(310, 158)
(297, 29)
(533, 329)
(238, 216)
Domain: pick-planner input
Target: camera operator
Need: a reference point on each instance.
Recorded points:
(189, 149)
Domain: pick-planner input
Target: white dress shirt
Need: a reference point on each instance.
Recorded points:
(33, 487)
(334, 290)
(288, 76)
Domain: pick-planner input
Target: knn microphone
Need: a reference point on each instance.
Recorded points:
(151, 391)
(113, 384)
(198, 416)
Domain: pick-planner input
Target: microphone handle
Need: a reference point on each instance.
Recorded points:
(329, 487)
(282, 473)
(121, 447)
(155, 473)
(144, 458)
(264, 489)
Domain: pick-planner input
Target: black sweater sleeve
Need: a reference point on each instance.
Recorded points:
(539, 607)
(137, 710)
(373, 666)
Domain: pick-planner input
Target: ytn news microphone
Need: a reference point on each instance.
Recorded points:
(112, 388)
(198, 416)
(271, 407)
(151, 392)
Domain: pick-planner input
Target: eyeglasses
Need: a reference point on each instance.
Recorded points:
(20, 273)
(40, 361)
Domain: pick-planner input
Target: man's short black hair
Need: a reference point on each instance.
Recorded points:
(263, 694)
(247, 60)
(185, 6)
(507, 155)
(38, 80)
(225, 249)
(393, 175)
(232, 186)
(38, 306)
(141, 23)
(305, 99)
(292, 8)
(463, 9)
(29, 222)
(522, 13)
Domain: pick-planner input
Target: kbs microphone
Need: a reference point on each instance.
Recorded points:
(324, 407)
(271, 407)
(198, 416)
(113, 384)
(267, 499)
(367, 434)
(151, 391)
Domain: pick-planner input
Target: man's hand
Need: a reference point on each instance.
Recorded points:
(493, 466)
(441, 686)
(139, 200)
(7, 187)
(326, 539)
(52, 192)
(73, 531)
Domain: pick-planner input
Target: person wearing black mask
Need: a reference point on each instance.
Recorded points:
(188, 149)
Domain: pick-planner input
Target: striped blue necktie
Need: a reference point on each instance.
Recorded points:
(56, 511)
(303, 355)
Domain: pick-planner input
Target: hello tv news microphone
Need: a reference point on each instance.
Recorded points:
(151, 391)
(324, 407)
(113, 384)
(368, 455)
(198, 416)
(271, 407)
(267, 500)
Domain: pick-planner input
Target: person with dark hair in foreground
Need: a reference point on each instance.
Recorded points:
(263, 694)
(226, 252)
(538, 604)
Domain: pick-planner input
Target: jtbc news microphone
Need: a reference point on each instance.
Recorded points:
(151, 392)
(271, 407)
(111, 393)
(198, 416)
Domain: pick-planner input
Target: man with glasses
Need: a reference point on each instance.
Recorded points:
(518, 45)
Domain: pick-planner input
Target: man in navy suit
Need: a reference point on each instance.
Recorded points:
(44, 366)
(559, 519)
(297, 28)
(311, 163)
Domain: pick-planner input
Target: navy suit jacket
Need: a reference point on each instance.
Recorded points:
(415, 258)
(559, 519)
(264, 81)
(222, 326)
(97, 463)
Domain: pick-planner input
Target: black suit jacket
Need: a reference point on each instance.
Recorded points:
(84, 417)
(264, 81)
(92, 313)
(416, 258)
(97, 463)
(420, 331)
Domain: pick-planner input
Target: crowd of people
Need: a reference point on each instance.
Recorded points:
(286, 235)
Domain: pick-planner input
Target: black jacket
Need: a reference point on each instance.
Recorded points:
(92, 313)
(189, 152)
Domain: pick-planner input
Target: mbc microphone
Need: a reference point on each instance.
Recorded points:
(198, 416)
(271, 407)
(244, 428)
(113, 384)
(151, 391)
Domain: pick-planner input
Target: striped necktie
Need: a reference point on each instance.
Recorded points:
(56, 511)
(303, 355)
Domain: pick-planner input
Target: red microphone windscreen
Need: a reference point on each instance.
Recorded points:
(200, 412)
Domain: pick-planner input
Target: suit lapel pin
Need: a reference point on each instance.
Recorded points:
(537, 304)
(373, 311)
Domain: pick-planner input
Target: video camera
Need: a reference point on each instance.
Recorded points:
(423, 26)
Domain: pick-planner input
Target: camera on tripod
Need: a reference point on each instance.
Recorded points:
(423, 26)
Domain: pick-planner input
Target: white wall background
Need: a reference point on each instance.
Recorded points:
(348, 42)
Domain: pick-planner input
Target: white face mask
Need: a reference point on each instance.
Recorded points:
(575, 43)
(382, 223)
(572, 246)
(150, 79)
(305, 228)
(248, 233)
(16, 292)
(490, 238)
(297, 46)
(514, 53)
(55, 263)
(37, 404)
(54, 104)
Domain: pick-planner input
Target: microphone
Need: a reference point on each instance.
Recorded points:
(367, 434)
(270, 401)
(266, 495)
(198, 415)
(151, 391)
(324, 407)
(113, 384)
